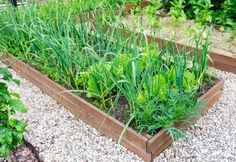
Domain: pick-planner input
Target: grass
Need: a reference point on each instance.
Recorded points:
(157, 87)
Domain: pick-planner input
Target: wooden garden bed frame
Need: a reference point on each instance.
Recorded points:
(219, 60)
(145, 146)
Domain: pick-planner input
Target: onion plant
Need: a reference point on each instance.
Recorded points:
(150, 87)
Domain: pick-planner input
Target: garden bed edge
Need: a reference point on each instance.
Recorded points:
(147, 147)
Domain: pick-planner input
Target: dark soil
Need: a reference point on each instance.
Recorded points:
(205, 87)
(120, 112)
(23, 153)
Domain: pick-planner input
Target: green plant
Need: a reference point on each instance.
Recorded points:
(233, 35)
(11, 129)
(226, 16)
(151, 10)
(177, 11)
(202, 10)
(112, 71)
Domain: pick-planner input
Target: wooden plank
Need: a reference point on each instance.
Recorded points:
(224, 59)
(210, 102)
(162, 146)
(224, 67)
(218, 86)
(156, 140)
(210, 97)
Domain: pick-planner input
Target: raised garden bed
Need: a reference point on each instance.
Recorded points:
(146, 146)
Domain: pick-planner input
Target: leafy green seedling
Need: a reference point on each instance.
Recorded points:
(11, 129)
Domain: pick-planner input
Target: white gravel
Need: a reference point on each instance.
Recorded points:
(60, 137)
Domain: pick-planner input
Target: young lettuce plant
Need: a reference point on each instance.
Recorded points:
(169, 96)
(11, 129)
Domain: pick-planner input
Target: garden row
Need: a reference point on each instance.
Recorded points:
(134, 91)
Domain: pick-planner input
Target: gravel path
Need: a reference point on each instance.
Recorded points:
(59, 136)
